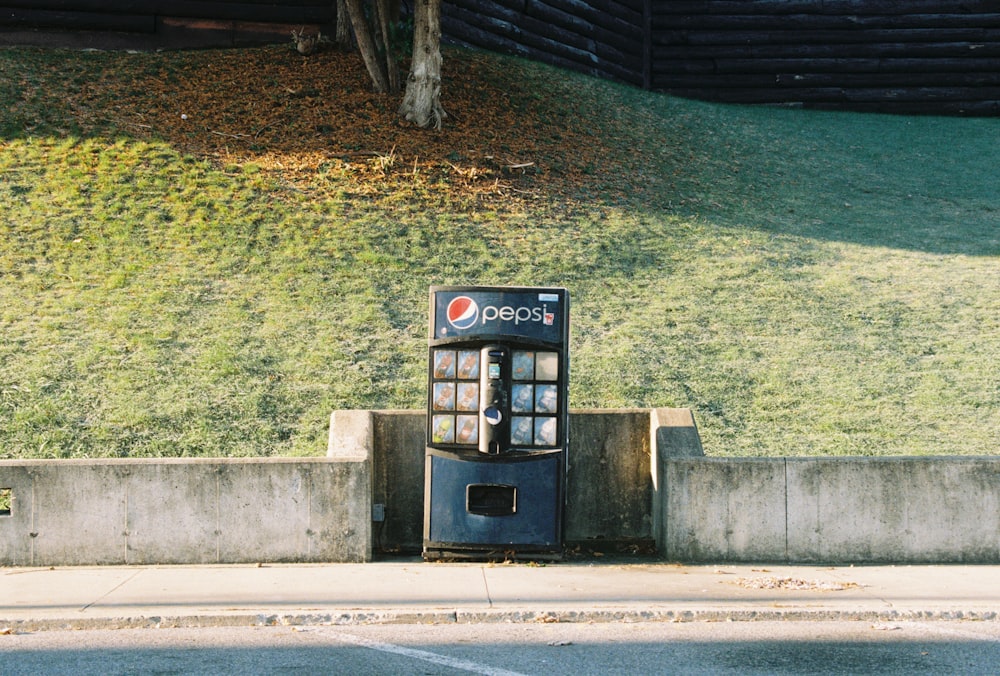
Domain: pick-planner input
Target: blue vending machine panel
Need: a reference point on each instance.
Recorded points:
(497, 421)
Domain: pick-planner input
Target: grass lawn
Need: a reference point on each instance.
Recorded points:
(205, 253)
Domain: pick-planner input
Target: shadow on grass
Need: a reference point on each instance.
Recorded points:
(916, 183)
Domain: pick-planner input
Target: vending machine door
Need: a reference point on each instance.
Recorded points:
(497, 421)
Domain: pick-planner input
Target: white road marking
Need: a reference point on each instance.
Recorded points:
(425, 656)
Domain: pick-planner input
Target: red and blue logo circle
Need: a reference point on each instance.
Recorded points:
(462, 312)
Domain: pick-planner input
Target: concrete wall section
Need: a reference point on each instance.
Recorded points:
(16, 524)
(899, 509)
(698, 509)
(71, 512)
(672, 434)
(76, 514)
(184, 526)
(399, 479)
(861, 510)
(396, 443)
(608, 484)
(724, 509)
(608, 487)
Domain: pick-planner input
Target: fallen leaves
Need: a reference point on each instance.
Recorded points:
(299, 115)
(792, 583)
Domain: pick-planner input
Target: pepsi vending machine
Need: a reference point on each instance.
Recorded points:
(497, 422)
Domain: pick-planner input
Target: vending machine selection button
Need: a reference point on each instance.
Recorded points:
(493, 415)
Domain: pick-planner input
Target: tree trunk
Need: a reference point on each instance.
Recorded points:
(343, 26)
(367, 47)
(386, 13)
(422, 100)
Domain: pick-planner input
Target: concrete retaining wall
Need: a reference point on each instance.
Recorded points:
(812, 510)
(368, 494)
(926, 509)
(82, 512)
(608, 486)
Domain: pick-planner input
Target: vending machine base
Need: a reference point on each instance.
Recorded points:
(510, 509)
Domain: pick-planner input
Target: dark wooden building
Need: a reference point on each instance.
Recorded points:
(155, 24)
(940, 56)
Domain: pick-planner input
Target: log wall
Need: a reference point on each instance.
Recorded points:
(885, 55)
(603, 38)
(926, 56)
(142, 16)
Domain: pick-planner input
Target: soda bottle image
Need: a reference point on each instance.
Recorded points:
(524, 366)
(520, 433)
(444, 431)
(468, 366)
(546, 402)
(444, 397)
(444, 364)
(468, 396)
(522, 398)
(545, 432)
(469, 432)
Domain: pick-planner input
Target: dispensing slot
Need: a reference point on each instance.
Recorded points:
(491, 499)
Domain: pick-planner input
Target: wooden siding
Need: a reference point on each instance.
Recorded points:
(142, 16)
(884, 55)
(604, 38)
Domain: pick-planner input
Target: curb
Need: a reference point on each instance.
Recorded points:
(624, 616)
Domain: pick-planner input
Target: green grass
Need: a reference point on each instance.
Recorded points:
(807, 282)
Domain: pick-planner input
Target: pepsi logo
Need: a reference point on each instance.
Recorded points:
(462, 312)
(493, 415)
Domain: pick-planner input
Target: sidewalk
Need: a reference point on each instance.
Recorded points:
(411, 591)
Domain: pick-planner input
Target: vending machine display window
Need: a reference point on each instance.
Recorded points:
(455, 397)
(534, 400)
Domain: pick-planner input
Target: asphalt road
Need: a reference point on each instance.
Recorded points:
(933, 647)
